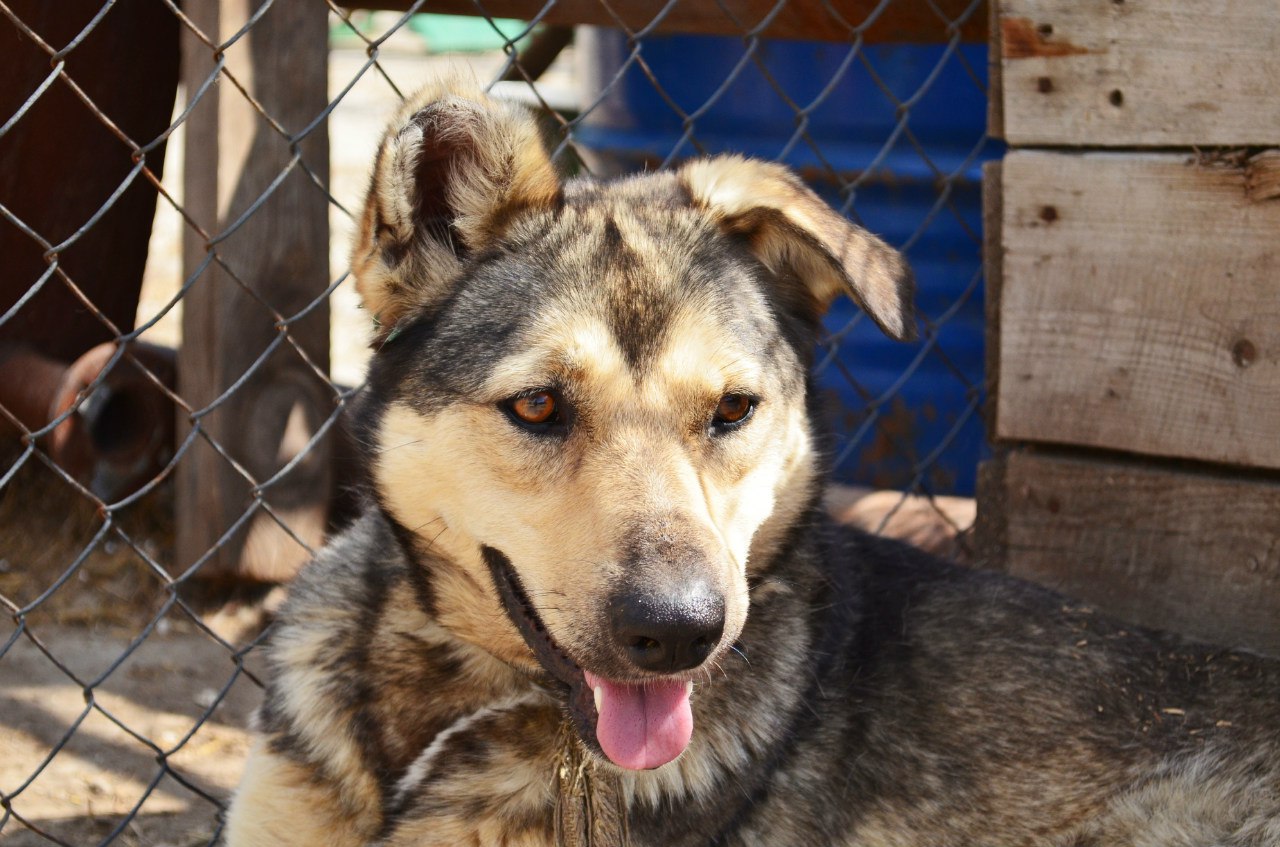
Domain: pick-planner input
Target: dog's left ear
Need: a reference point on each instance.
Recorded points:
(792, 231)
(454, 168)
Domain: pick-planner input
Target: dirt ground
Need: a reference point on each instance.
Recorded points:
(161, 693)
(113, 698)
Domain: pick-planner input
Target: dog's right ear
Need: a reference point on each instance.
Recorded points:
(453, 168)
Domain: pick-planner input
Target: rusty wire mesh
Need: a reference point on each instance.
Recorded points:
(124, 688)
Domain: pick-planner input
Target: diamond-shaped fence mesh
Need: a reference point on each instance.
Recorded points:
(180, 339)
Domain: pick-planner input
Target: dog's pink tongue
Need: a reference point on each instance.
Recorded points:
(642, 727)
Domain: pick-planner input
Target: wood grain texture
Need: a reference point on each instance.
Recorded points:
(993, 282)
(1139, 309)
(1107, 73)
(835, 21)
(270, 268)
(1188, 552)
(995, 74)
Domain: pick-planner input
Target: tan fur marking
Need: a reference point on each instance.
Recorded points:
(770, 461)
(560, 511)
(280, 803)
(301, 652)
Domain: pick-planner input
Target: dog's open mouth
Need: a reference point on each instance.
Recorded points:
(637, 727)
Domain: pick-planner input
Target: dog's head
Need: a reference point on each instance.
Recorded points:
(590, 405)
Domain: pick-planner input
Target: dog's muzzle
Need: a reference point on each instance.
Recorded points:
(636, 726)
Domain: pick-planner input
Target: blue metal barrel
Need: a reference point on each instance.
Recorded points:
(904, 415)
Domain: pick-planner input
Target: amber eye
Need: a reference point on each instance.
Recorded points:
(539, 409)
(733, 410)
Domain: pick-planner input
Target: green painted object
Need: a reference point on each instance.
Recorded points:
(465, 34)
(439, 33)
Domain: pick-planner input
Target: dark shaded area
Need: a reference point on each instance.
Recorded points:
(59, 164)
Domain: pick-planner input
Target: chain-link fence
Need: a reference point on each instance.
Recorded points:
(172, 387)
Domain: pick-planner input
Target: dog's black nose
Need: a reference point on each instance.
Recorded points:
(668, 632)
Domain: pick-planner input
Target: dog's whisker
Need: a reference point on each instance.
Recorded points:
(418, 529)
(382, 451)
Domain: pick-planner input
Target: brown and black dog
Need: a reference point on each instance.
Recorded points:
(594, 598)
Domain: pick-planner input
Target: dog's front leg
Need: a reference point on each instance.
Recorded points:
(487, 781)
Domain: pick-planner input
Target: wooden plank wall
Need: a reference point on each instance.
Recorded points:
(1141, 310)
(1196, 551)
(1142, 73)
(1134, 255)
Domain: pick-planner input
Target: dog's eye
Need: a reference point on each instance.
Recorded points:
(732, 411)
(538, 410)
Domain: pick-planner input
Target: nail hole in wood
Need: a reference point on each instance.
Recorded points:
(1243, 353)
(1116, 97)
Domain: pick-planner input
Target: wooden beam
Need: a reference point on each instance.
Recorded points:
(995, 73)
(905, 22)
(1112, 74)
(1138, 309)
(1185, 551)
(993, 282)
(274, 264)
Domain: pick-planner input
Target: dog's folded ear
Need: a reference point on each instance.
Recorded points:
(453, 168)
(795, 234)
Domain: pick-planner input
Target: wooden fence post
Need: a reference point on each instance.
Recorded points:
(274, 262)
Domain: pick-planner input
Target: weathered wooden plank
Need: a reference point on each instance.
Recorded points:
(1109, 73)
(1139, 308)
(1189, 552)
(995, 72)
(836, 21)
(993, 282)
(273, 265)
